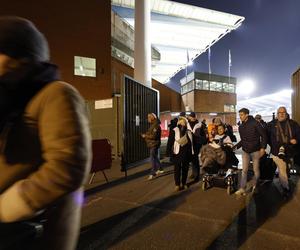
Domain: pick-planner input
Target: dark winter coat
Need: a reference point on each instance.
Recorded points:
(275, 140)
(45, 154)
(253, 136)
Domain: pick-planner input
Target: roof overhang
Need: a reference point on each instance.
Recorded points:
(180, 31)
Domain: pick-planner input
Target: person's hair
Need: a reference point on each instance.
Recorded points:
(218, 120)
(282, 107)
(153, 115)
(258, 117)
(244, 110)
(182, 120)
(221, 125)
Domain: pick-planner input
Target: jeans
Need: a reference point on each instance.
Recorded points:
(281, 165)
(155, 163)
(246, 161)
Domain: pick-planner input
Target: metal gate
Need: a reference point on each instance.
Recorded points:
(139, 100)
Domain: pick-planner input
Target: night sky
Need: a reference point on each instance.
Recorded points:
(265, 48)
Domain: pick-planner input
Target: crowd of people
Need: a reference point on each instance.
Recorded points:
(204, 146)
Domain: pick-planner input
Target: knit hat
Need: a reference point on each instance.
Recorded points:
(20, 39)
(192, 114)
(258, 117)
(182, 113)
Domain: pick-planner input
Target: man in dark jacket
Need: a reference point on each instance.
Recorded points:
(253, 142)
(152, 138)
(199, 138)
(261, 121)
(171, 138)
(283, 137)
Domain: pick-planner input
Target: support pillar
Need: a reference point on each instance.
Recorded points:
(142, 42)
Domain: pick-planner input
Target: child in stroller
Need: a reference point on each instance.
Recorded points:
(218, 160)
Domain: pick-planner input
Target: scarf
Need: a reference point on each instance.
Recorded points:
(183, 140)
(17, 87)
(286, 135)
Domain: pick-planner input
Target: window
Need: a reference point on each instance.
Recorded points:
(199, 84)
(190, 86)
(226, 87)
(229, 108)
(216, 86)
(184, 89)
(205, 85)
(84, 66)
(231, 88)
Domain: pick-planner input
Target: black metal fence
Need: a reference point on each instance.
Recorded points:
(139, 100)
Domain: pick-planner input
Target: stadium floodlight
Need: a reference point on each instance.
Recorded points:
(245, 87)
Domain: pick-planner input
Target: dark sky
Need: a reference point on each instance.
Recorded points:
(265, 48)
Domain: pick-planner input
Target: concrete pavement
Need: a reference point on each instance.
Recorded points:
(140, 214)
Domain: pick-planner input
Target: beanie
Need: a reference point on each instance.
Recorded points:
(20, 39)
(192, 114)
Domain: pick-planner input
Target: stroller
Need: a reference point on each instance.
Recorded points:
(220, 165)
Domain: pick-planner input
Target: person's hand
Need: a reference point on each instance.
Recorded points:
(143, 135)
(293, 141)
(262, 151)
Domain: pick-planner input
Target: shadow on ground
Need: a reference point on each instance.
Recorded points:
(110, 231)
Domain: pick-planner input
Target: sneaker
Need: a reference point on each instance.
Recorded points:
(241, 191)
(159, 172)
(185, 187)
(151, 177)
(177, 188)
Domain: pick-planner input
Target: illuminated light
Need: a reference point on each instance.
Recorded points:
(190, 63)
(245, 87)
(187, 31)
(213, 114)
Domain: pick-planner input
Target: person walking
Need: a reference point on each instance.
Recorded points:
(199, 138)
(253, 143)
(45, 144)
(283, 138)
(261, 121)
(171, 138)
(153, 141)
(183, 151)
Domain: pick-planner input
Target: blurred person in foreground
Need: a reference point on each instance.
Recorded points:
(44, 138)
